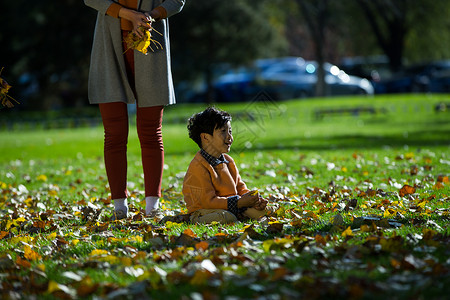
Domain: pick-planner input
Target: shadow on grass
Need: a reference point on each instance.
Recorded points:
(416, 139)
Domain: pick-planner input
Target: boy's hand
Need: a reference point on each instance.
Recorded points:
(261, 205)
(249, 199)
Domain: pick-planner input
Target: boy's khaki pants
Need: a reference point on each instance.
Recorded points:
(222, 216)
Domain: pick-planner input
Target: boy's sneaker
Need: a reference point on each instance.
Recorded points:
(118, 215)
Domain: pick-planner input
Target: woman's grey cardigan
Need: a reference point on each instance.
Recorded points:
(107, 76)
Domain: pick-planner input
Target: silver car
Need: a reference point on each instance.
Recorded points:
(297, 78)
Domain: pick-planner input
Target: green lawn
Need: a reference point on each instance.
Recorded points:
(364, 207)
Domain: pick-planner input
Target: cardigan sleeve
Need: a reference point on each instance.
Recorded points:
(113, 10)
(159, 13)
(173, 7)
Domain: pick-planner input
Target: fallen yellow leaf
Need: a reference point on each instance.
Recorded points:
(389, 213)
(365, 228)
(98, 252)
(42, 177)
(30, 254)
(347, 232)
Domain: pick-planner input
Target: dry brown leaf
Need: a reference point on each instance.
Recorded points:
(406, 190)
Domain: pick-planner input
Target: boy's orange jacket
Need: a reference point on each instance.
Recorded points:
(207, 187)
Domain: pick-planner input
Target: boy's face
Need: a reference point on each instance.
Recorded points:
(219, 142)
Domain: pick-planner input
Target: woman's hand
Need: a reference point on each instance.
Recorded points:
(154, 14)
(138, 19)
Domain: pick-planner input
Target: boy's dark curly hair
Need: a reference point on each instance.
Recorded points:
(206, 122)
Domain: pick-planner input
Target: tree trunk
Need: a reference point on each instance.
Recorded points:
(316, 16)
(209, 86)
(388, 22)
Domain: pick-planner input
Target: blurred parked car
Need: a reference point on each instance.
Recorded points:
(417, 78)
(298, 80)
(286, 78)
(440, 82)
(236, 86)
(373, 68)
(242, 84)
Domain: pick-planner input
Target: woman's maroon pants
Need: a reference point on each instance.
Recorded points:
(149, 123)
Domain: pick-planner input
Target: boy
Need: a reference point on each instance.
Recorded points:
(213, 189)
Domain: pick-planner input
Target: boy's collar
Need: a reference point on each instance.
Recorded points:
(213, 161)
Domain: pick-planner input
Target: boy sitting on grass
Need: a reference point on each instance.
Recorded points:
(212, 187)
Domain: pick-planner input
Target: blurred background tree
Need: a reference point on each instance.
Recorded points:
(45, 49)
(45, 45)
(320, 17)
(401, 30)
(209, 34)
(396, 24)
(404, 30)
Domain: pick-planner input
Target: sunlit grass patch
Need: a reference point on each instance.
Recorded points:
(364, 210)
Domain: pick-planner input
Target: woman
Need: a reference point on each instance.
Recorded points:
(118, 77)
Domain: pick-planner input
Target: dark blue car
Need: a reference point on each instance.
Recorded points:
(419, 78)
